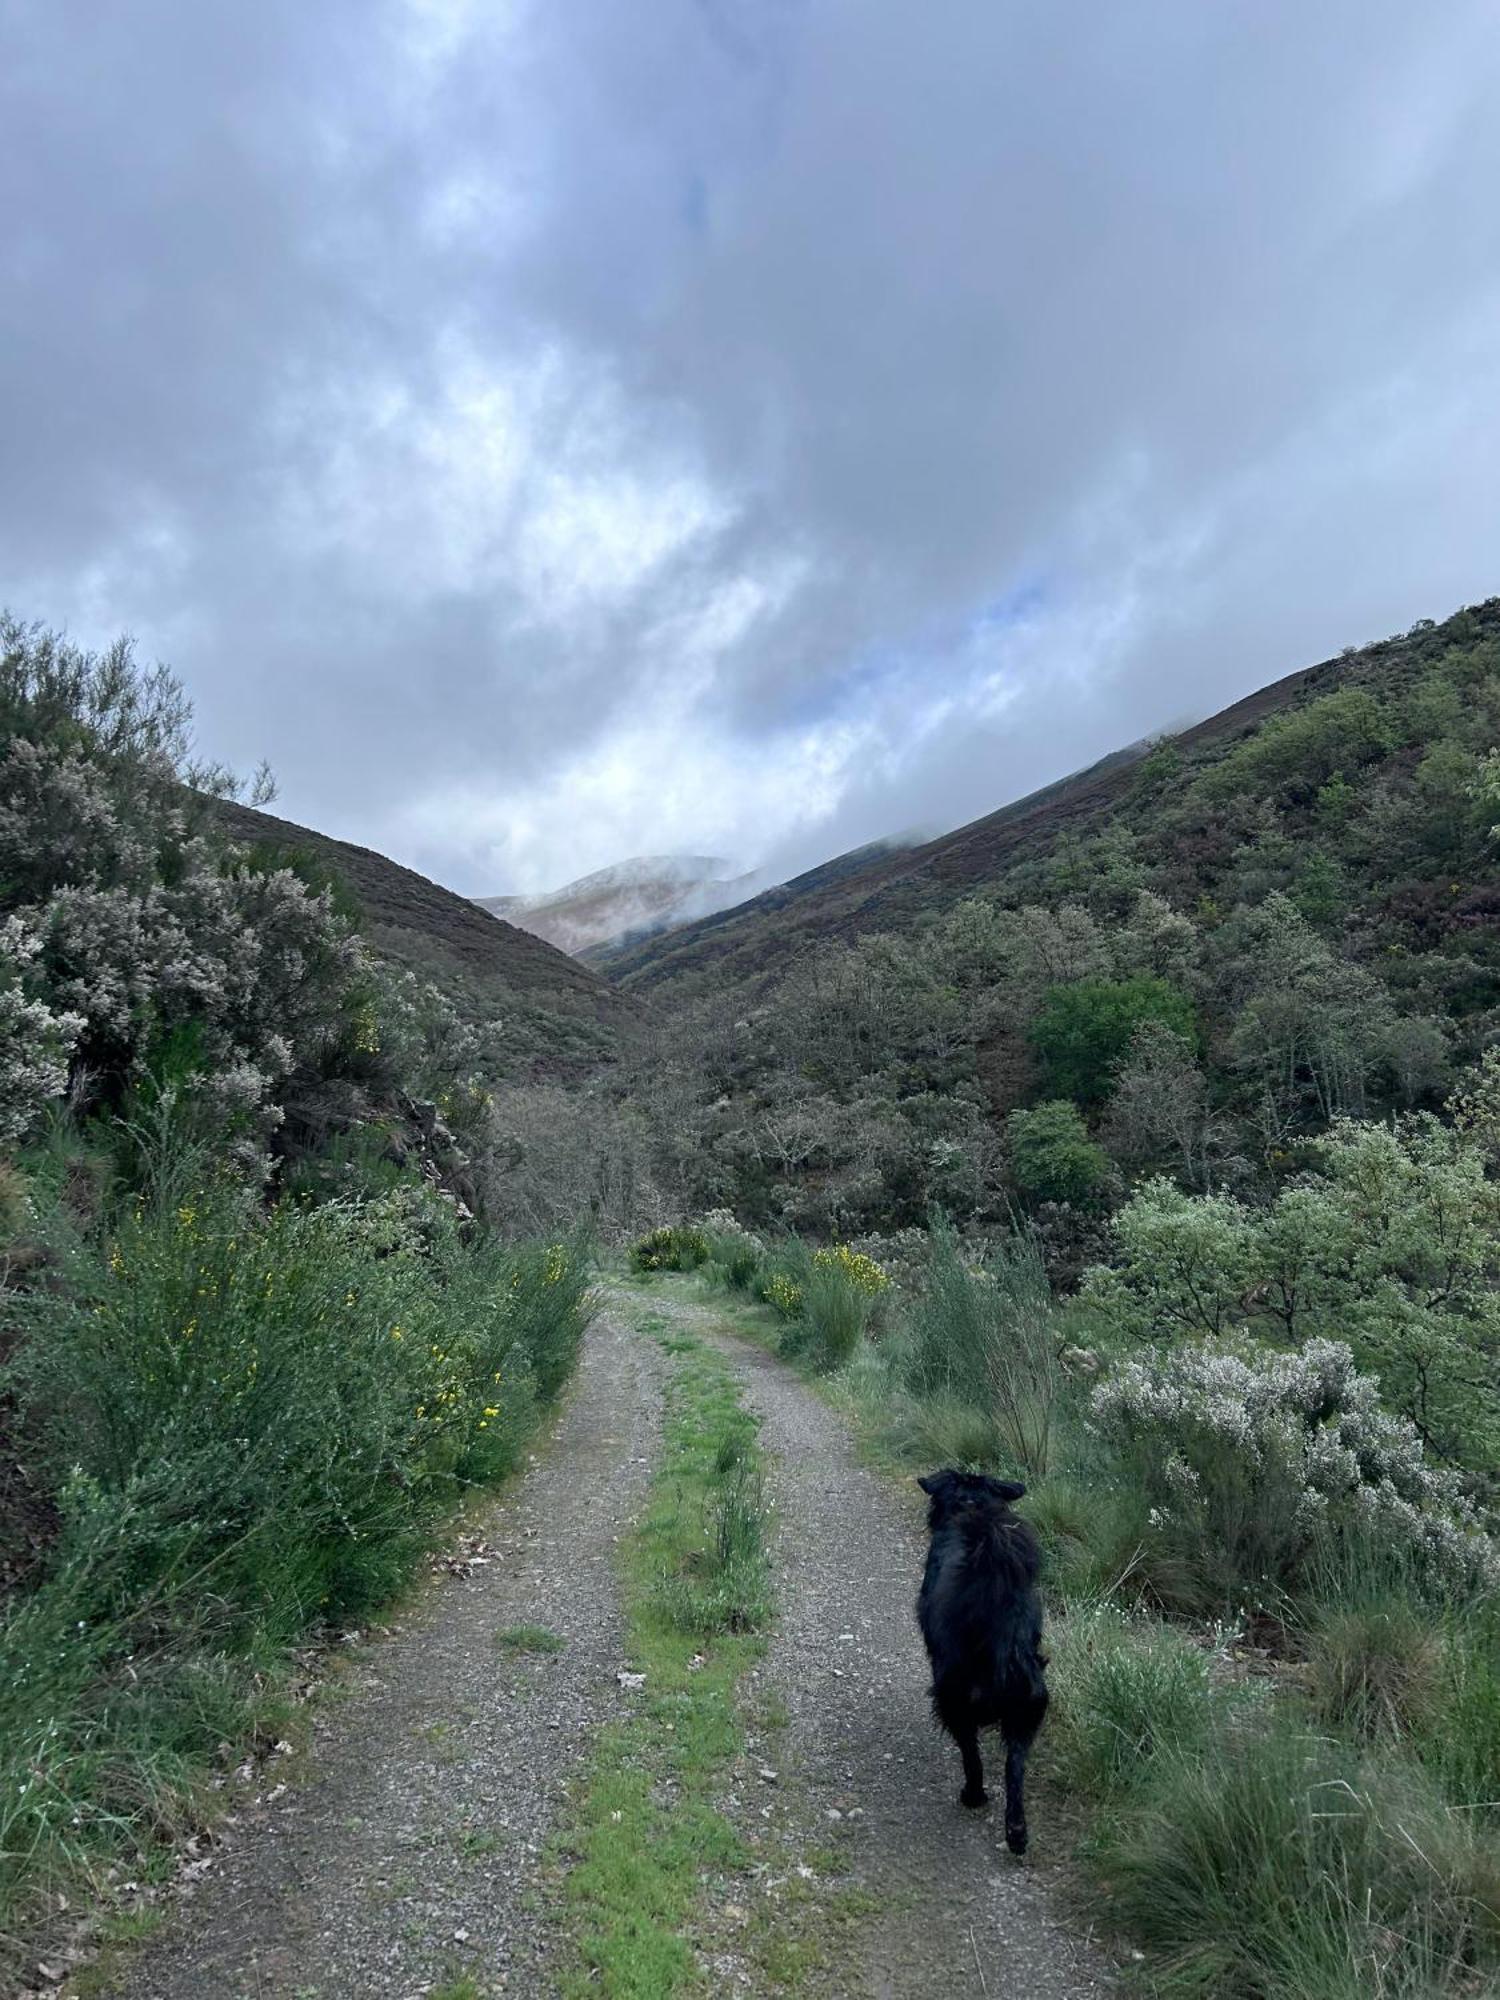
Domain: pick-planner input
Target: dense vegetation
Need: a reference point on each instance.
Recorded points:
(1245, 937)
(1276, 1616)
(263, 1327)
(1159, 1165)
(1143, 1141)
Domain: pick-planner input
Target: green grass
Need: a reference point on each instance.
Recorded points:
(529, 1639)
(645, 1827)
(1324, 1829)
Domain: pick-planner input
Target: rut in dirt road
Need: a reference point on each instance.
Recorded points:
(859, 1758)
(412, 1851)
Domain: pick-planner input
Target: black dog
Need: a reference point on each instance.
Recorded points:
(982, 1619)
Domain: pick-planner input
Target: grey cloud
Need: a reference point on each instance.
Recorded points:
(1174, 326)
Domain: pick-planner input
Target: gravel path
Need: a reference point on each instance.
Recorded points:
(412, 1851)
(858, 1761)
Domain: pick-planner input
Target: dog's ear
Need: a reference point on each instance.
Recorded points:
(1009, 1489)
(935, 1482)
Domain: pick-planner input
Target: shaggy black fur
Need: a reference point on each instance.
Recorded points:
(982, 1619)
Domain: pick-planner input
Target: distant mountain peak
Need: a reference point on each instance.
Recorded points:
(629, 899)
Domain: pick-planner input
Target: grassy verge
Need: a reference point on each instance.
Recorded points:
(1305, 1807)
(254, 1423)
(645, 1830)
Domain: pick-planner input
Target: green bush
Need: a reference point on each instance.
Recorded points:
(835, 1314)
(674, 1247)
(254, 1422)
(1084, 1029)
(1273, 1862)
(986, 1338)
(1051, 1154)
(734, 1259)
(1127, 1691)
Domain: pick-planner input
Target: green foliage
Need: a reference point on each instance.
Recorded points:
(1051, 1154)
(670, 1248)
(254, 1422)
(1391, 1242)
(1273, 1861)
(1129, 1690)
(834, 1314)
(1254, 1460)
(986, 1339)
(1308, 747)
(1084, 1028)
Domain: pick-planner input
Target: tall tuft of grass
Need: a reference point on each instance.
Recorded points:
(987, 1339)
(1274, 1862)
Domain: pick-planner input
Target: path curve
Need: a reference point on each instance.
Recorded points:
(413, 1850)
(858, 1758)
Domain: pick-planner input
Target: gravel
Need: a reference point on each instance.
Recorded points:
(859, 1763)
(413, 1850)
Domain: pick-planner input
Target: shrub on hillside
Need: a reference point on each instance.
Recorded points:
(674, 1247)
(1051, 1154)
(1391, 1243)
(1085, 1027)
(1253, 1460)
(135, 928)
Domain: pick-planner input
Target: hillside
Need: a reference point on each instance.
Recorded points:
(542, 1013)
(1191, 958)
(422, 925)
(633, 899)
(891, 889)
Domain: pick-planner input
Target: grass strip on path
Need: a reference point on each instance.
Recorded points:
(645, 1832)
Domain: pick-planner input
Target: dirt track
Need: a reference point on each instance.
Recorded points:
(413, 1849)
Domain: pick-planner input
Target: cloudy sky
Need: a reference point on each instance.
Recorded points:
(554, 430)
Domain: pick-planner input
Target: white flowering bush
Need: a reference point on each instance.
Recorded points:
(1391, 1243)
(135, 940)
(36, 1042)
(1251, 1458)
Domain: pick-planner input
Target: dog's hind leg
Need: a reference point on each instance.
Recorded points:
(966, 1736)
(1015, 1795)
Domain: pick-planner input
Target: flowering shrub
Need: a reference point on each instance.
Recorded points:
(1392, 1244)
(670, 1248)
(36, 1043)
(253, 1423)
(784, 1293)
(1250, 1457)
(862, 1272)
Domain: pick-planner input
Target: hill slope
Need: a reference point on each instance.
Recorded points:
(889, 889)
(543, 1013)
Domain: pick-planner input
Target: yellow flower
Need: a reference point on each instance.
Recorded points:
(862, 1272)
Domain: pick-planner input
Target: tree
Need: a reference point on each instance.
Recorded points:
(1052, 1156)
(1160, 1104)
(1084, 1029)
